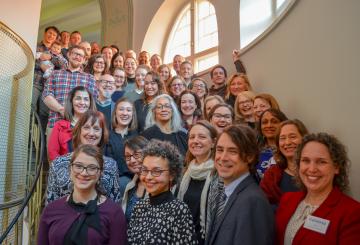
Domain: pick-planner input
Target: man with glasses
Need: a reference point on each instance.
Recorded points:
(61, 82)
(106, 87)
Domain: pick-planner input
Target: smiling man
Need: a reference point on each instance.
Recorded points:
(244, 215)
(42, 54)
(106, 87)
(187, 72)
(218, 77)
(61, 82)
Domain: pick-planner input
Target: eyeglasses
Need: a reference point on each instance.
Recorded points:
(136, 155)
(104, 82)
(119, 77)
(162, 107)
(199, 86)
(154, 172)
(77, 54)
(246, 102)
(90, 170)
(219, 116)
(177, 85)
(99, 63)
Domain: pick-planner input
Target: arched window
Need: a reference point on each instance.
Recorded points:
(256, 16)
(195, 36)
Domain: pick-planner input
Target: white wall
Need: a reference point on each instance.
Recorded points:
(309, 62)
(22, 16)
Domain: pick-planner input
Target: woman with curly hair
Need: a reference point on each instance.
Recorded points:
(321, 213)
(161, 218)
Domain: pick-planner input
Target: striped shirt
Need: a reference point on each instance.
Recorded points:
(59, 85)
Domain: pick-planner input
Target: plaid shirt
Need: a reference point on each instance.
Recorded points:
(58, 61)
(38, 73)
(59, 85)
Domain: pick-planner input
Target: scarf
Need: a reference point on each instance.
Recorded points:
(78, 232)
(200, 171)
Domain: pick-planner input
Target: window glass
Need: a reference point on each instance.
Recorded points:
(180, 37)
(258, 15)
(206, 26)
(206, 62)
(204, 36)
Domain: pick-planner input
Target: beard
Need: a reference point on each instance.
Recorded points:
(75, 64)
(107, 94)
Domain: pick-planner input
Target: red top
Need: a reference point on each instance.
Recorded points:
(270, 183)
(342, 211)
(60, 136)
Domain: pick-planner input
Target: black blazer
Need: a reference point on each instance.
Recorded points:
(247, 218)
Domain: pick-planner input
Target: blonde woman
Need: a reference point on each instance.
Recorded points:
(237, 83)
(243, 107)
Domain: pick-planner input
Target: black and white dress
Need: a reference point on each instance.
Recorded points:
(162, 219)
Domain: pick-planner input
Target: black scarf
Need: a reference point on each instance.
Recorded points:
(78, 232)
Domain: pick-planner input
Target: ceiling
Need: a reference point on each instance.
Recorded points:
(72, 15)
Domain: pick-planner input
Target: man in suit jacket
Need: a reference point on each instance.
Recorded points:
(247, 217)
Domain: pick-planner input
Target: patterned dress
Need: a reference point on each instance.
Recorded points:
(59, 183)
(161, 220)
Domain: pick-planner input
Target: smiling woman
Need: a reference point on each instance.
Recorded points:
(86, 214)
(90, 129)
(195, 183)
(78, 101)
(96, 66)
(163, 122)
(152, 88)
(124, 126)
(190, 108)
(221, 116)
(267, 129)
(321, 212)
(243, 107)
(161, 217)
(279, 178)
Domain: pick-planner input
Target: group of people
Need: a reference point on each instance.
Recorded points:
(141, 152)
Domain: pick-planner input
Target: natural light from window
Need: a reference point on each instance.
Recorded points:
(206, 25)
(256, 16)
(203, 34)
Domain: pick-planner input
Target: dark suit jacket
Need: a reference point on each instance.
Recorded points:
(342, 211)
(247, 218)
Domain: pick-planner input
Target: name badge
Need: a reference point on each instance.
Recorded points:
(316, 224)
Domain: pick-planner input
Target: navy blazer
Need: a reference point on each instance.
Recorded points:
(247, 218)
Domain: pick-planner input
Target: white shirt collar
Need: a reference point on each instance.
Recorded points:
(229, 189)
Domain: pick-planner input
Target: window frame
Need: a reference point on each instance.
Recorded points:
(193, 57)
(277, 17)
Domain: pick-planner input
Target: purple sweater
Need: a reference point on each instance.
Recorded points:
(58, 216)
